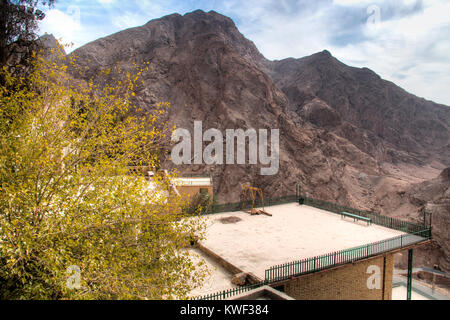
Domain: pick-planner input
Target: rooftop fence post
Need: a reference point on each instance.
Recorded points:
(431, 225)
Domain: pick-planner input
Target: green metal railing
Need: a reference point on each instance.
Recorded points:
(330, 260)
(388, 222)
(237, 206)
(231, 292)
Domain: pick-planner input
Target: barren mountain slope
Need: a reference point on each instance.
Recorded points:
(208, 71)
(376, 115)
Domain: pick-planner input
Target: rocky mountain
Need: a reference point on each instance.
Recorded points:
(48, 41)
(346, 135)
(50, 47)
(377, 116)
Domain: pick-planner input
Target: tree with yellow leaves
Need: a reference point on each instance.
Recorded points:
(75, 223)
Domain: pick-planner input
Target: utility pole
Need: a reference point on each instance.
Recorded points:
(410, 267)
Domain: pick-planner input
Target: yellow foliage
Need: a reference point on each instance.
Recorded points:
(68, 199)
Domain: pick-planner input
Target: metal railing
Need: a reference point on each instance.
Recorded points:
(230, 292)
(237, 206)
(333, 259)
(388, 222)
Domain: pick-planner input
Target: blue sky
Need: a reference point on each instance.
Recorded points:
(404, 41)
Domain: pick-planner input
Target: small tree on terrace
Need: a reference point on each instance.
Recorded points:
(74, 223)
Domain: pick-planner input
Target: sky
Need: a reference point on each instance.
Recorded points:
(404, 41)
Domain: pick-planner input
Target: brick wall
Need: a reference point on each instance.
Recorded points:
(349, 282)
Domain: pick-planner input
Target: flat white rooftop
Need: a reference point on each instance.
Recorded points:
(294, 232)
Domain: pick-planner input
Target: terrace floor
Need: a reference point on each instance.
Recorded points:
(219, 278)
(294, 232)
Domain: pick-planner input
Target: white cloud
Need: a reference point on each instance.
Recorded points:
(353, 2)
(144, 11)
(411, 51)
(63, 25)
(280, 33)
(369, 2)
(128, 20)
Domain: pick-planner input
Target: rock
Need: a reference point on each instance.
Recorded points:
(445, 175)
(239, 279)
(320, 114)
